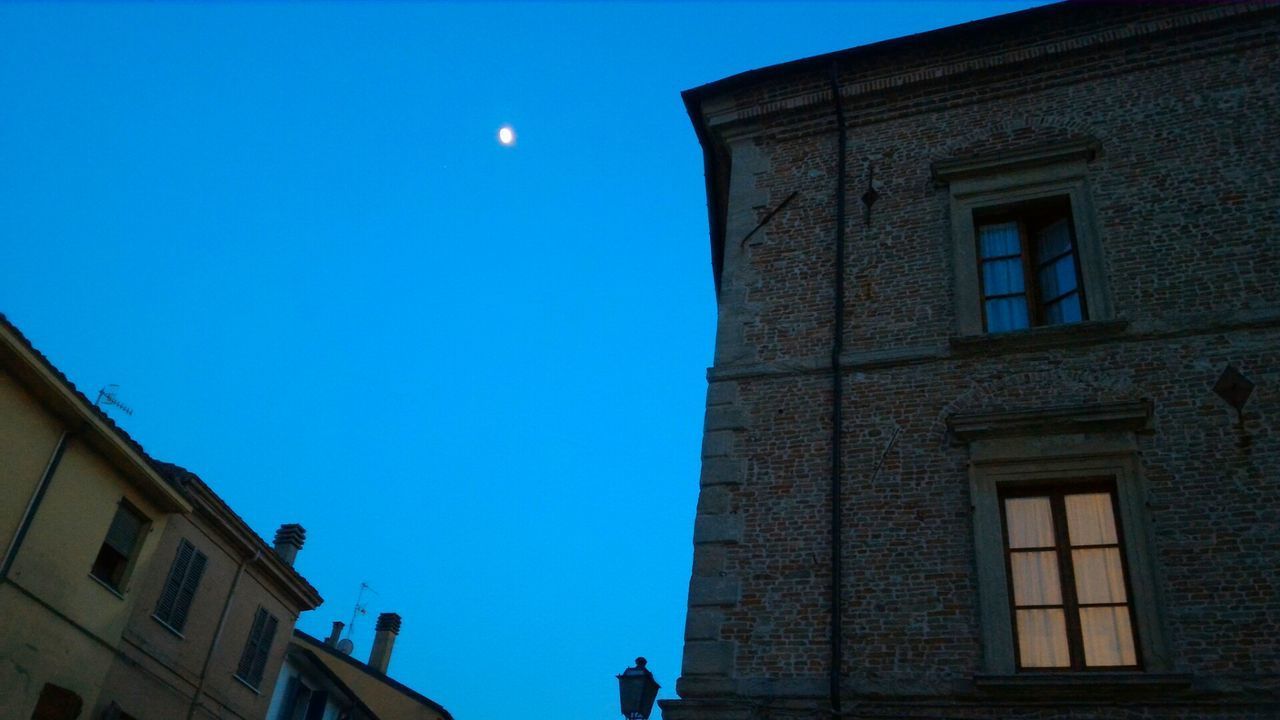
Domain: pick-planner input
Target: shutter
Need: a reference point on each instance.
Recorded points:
(173, 584)
(264, 647)
(245, 668)
(123, 534)
(188, 591)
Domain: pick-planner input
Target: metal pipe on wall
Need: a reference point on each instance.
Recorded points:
(29, 515)
(837, 399)
(217, 633)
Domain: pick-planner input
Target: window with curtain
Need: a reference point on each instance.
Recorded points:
(1029, 269)
(1068, 583)
(118, 548)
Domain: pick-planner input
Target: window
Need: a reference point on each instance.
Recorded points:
(1068, 585)
(253, 661)
(57, 703)
(123, 538)
(302, 702)
(1024, 247)
(180, 587)
(1066, 575)
(1029, 266)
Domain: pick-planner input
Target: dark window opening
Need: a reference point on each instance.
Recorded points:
(1069, 586)
(1029, 266)
(123, 538)
(57, 703)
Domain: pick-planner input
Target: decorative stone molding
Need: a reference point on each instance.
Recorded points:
(944, 171)
(1102, 417)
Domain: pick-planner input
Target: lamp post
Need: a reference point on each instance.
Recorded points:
(637, 690)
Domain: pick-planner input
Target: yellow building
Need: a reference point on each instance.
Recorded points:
(128, 588)
(368, 682)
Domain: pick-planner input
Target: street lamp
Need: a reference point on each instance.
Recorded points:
(637, 690)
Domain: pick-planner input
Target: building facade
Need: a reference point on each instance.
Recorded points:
(128, 588)
(1006, 297)
(367, 683)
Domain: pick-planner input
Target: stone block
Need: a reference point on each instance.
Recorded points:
(722, 393)
(708, 657)
(724, 417)
(723, 471)
(702, 686)
(713, 500)
(713, 591)
(717, 529)
(703, 623)
(717, 443)
(708, 560)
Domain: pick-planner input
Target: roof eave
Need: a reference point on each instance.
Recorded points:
(39, 376)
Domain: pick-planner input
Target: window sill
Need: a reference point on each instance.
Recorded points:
(245, 683)
(106, 586)
(169, 627)
(1037, 338)
(1109, 685)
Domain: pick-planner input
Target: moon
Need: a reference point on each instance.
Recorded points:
(506, 135)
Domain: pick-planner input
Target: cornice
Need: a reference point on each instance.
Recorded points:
(720, 108)
(213, 510)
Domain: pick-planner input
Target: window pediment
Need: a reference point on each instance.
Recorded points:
(1131, 415)
(945, 171)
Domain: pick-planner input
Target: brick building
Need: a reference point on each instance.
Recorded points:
(999, 297)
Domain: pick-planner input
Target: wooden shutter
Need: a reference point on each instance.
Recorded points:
(264, 647)
(245, 669)
(188, 592)
(253, 661)
(173, 584)
(180, 587)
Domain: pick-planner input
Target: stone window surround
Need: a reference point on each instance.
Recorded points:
(1056, 170)
(1054, 446)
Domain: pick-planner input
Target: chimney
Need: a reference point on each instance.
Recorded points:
(384, 637)
(289, 540)
(332, 640)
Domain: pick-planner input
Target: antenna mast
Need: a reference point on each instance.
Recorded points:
(108, 393)
(360, 608)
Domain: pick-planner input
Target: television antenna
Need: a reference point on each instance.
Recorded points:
(108, 393)
(361, 607)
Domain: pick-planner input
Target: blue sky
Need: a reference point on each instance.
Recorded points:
(475, 373)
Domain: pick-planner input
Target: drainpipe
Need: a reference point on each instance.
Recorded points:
(837, 399)
(217, 633)
(37, 497)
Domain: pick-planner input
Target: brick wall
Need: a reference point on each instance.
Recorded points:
(1185, 191)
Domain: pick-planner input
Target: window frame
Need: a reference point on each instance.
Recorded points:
(982, 184)
(120, 586)
(1049, 461)
(1056, 493)
(1028, 216)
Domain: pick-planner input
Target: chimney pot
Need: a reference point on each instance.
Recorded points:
(384, 638)
(332, 640)
(289, 540)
